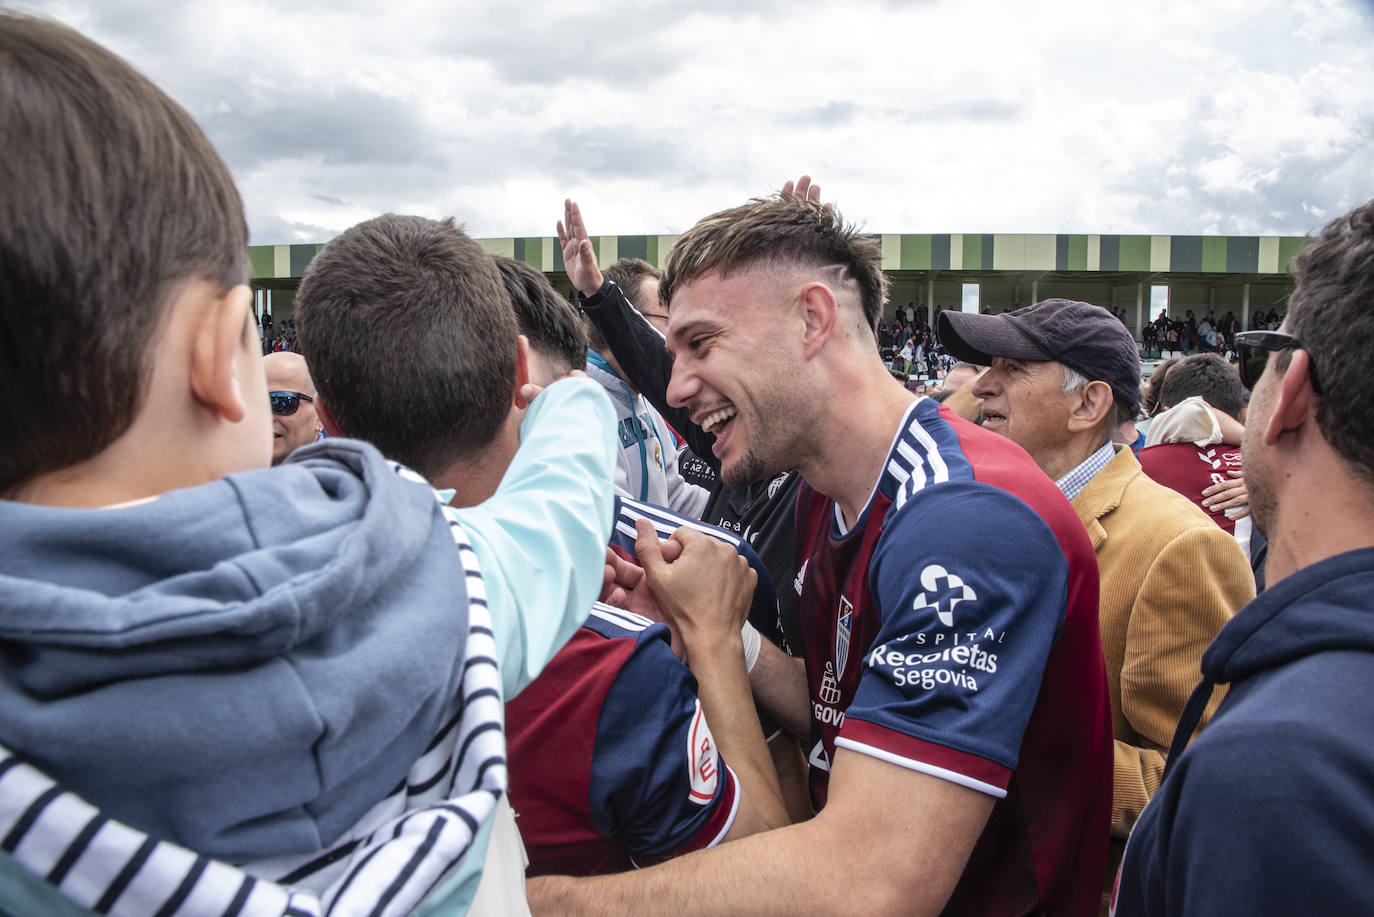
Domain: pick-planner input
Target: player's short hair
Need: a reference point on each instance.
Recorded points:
(410, 338)
(629, 274)
(1209, 375)
(1331, 312)
(113, 199)
(547, 319)
(779, 231)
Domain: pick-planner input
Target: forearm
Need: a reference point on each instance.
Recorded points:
(541, 538)
(723, 689)
(790, 765)
(779, 685)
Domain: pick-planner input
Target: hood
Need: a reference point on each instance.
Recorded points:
(222, 665)
(1322, 607)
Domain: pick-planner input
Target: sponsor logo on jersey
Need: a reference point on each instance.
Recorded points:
(800, 577)
(1210, 456)
(958, 666)
(943, 591)
(702, 761)
(844, 619)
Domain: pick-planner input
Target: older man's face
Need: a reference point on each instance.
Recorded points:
(1024, 401)
(286, 372)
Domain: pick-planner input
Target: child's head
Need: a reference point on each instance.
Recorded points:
(123, 259)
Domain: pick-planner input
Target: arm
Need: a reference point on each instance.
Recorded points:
(1196, 584)
(540, 540)
(637, 345)
(779, 685)
(905, 837)
(706, 592)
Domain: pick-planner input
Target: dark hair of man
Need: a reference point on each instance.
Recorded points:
(779, 232)
(113, 199)
(629, 274)
(1331, 311)
(410, 338)
(1208, 375)
(547, 319)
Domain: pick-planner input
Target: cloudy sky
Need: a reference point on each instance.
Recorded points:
(1228, 116)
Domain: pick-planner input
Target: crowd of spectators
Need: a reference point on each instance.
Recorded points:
(1004, 644)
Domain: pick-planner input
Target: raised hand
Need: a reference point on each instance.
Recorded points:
(579, 258)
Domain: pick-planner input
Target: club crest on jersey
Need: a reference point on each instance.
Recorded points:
(702, 761)
(943, 591)
(843, 621)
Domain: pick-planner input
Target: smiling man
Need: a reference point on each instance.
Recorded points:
(953, 694)
(1064, 375)
(294, 420)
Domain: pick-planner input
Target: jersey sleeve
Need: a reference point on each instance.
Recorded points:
(971, 586)
(657, 780)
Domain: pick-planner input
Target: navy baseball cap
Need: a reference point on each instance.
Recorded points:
(1086, 338)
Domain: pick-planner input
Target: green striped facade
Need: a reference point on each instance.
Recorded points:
(982, 252)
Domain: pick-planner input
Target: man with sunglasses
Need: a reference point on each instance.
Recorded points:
(1063, 376)
(294, 420)
(1269, 811)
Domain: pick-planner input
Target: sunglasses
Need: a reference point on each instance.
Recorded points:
(1253, 349)
(284, 404)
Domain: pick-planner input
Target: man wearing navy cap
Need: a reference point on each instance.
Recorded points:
(1063, 376)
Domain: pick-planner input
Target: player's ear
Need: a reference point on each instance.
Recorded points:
(819, 315)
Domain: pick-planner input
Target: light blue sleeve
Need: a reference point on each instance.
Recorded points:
(541, 538)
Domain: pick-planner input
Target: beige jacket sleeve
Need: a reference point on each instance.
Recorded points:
(1193, 587)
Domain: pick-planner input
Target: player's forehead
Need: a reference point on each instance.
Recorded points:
(714, 301)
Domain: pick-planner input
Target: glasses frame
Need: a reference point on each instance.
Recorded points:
(299, 396)
(1248, 343)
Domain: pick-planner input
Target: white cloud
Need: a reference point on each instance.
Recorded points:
(1168, 117)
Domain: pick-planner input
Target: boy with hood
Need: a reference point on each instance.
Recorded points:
(229, 688)
(1269, 811)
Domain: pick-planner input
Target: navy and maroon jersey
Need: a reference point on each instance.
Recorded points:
(1190, 469)
(763, 612)
(953, 631)
(612, 764)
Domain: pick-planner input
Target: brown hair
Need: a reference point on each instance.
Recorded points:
(113, 198)
(629, 274)
(775, 232)
(1331, 312)
(410, 338)
(547, 319)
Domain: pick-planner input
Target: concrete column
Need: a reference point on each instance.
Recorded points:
(1139, 311)
(1245, 307)
(1035, 292)
(930, 301)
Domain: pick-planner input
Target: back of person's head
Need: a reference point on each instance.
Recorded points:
(1208, 375)
(113, 199)
(1150, 401)
(1331, 313)
(410, 338)
(629, 274)
(548, 320)
(780, 232)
